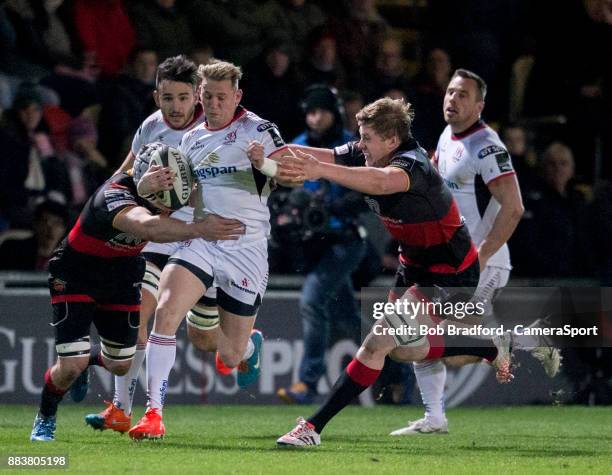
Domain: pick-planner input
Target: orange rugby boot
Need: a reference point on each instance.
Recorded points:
(111, 418)
(150, 426)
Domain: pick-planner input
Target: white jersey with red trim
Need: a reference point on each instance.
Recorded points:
(227, 182)
(468, 162)
(155, 129)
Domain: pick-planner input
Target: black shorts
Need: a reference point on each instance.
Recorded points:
(115, 311)
(438, 287)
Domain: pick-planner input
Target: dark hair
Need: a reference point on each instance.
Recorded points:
(466, 74)
(179, 69)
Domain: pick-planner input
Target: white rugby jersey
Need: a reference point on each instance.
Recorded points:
(468, 162)
(155, 129)
(227, 183)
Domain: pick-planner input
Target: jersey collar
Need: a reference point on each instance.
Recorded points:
(240, 111)
(475, 127)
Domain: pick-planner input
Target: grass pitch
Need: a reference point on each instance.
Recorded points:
(241, 439)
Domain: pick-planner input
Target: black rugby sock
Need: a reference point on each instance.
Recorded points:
(51, 397)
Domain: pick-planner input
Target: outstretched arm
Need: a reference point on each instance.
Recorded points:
(369, 180)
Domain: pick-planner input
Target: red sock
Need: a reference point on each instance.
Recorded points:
(362, 374)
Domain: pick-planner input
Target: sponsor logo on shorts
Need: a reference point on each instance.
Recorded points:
(239, 287)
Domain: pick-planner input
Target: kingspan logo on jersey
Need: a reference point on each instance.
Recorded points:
(207, 167)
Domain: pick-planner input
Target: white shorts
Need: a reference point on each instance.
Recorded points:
(157, 255)
(240, 274)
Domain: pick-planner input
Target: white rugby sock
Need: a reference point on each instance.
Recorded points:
(161, 353)
(125, 386)
(249, 350)
(431, 377)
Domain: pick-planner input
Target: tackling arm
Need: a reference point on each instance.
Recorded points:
(138, 221)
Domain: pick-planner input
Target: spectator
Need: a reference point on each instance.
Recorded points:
(105, 32)
(235, 29)
(87, 167)
(74, 80)
(551, 239)
(41, 172)
(427, 95)
(273, 86)
(358, 35)
(128, 100)
(33, 253)
(389, 71)
(321, 64)
(523, 157)
(162, 27)
(353, 103)
(300, 17)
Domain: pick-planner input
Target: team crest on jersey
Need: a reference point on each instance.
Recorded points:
(489, 150)
(458, 153)
(230, 138)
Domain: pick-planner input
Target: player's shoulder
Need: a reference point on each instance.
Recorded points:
(254, 122)
(485, 142)
(151, 122)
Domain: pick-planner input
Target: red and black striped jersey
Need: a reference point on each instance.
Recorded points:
(425, 219)
(94, 246)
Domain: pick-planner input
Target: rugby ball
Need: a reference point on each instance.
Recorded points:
(157, 153)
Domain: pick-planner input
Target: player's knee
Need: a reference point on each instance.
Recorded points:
(117, 357)
(119, 368)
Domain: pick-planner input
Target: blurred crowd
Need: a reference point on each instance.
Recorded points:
(76, 80)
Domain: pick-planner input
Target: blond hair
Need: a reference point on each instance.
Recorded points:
(388, 117)
(216, 70)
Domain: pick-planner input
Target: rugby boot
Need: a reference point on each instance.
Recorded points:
(249, 369)
(111, 418)
(43, 429)
(303, 435)
(150, 426)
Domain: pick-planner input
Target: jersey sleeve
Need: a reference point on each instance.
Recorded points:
(492, 161)
(349, 155)
(138, 141)
(113, 197)
(270, 137)
(416, 170)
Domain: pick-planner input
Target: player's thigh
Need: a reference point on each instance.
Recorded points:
(73, 311)
(180, 289)
(117, 322)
